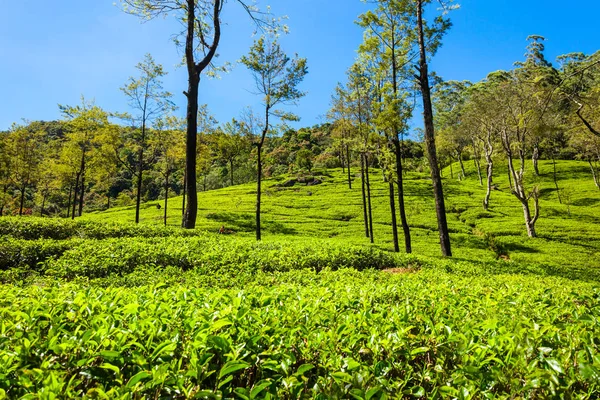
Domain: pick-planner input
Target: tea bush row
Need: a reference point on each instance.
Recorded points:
(344, 334)
(207, 254)
(32, 228)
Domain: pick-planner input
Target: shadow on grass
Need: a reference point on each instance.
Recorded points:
(515, 247)
(245, 222)
(586, 202)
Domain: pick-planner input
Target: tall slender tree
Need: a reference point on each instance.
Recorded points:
(387, 42)
(277, 78)
(147, 97)
(429, 39)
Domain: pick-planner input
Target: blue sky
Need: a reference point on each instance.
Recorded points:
(52, 52)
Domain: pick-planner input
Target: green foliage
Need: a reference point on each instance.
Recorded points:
(342, 334)
(61, 229)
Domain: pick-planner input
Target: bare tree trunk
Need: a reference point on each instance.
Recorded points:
(510, 183)
(462, 166)
(183, 199)
(258, 191)
(166, 196)
(477, 162)
(555, 178)
(529, 224)
(82, 194)
(490, 172)
(401, 204)
(138, 197)
(535, 158)
(393, 212)
(231, 169)
(594, 174)
(519, 192)
(364, 196)
(69, 201)
(341, 154)
(75, 192)
(369, 198)
(194, 70)
(191, 210)
(348, 161)
(430, 139)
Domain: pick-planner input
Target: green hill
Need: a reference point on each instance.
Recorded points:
(569, 233)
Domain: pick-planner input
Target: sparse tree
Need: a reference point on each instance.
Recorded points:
(277, 78)
(147, 97)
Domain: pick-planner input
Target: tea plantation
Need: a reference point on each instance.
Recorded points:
(101, 308)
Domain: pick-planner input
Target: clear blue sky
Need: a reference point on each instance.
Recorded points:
(52, 52)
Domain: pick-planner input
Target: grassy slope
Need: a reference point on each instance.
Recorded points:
(333, 211)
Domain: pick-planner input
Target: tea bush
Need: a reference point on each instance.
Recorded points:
(31, 228)
(214, 255)
(302, 334)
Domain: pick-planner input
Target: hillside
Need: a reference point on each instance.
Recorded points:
(100, 308)
(569, 234)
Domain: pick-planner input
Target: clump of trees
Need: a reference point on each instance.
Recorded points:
(534, 110)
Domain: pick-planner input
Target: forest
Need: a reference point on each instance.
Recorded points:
(154, 252)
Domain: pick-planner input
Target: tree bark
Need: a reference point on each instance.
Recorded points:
(81, 181)
(555, 178)
(462, 165)
(369, 198)
(519, 191)
(69, 201)
(258, 191)
(138, 197)
(183, 197)
(166, 195)
(75, 192)
(259, 171)
(393, 213)
(348, 161)
(82, 194)
(490, 172)
(535, 158)
(191, 210)
(364, 196)
(401, 204)
(430, 139)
